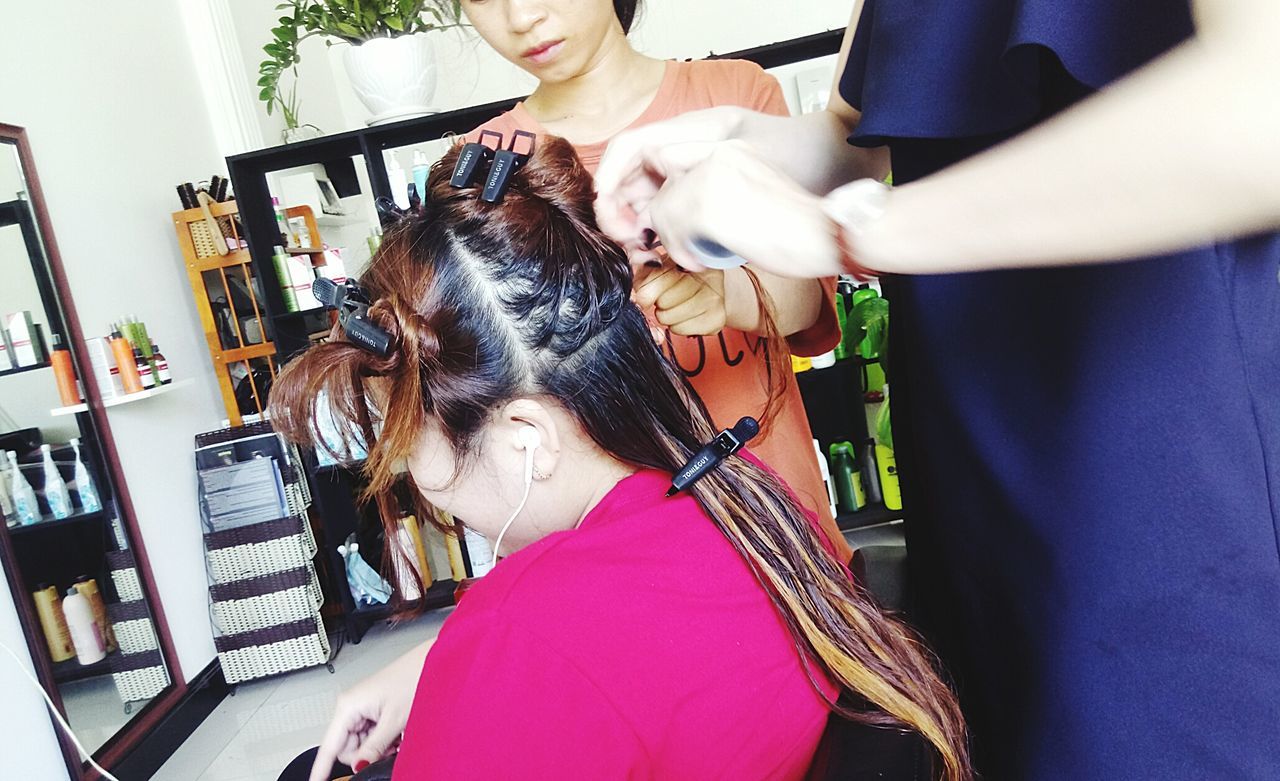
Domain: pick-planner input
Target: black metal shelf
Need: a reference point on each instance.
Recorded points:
(71, 670)
(439, 594)
(49, 522)
(23, 369)
(871, 515)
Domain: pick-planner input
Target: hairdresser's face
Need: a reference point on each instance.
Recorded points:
(555, 40)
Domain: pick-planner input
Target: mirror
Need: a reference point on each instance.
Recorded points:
(95, 648)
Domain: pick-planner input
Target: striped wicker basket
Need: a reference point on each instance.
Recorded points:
(283, 597)
(124, 575)
(139, 676)
(133, 628)
(273, 650)
(259, 549)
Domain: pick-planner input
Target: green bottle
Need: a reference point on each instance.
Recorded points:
(843, 349)
(847, 479)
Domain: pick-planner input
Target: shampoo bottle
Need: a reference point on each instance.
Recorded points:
(25, 505)
(421, 168)
(53, 623)
(147, 378)
(64, 373)
(56, 494)
(90, 502)
(128, 367)
(85, 634)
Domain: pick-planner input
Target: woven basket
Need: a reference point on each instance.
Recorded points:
(133, 628)
(273, 650)
(139, 676)
(259, 549)
(248, 605)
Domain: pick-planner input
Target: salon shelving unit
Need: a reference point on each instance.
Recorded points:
(834, 403)
(21, 369)
(335, 489)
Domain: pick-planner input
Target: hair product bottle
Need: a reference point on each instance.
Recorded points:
(87, 587)
(64, 373)
(888, 477)
(144, 370)
(85, 635)
(90, 502)
(25, 505)
(53, 623)
(479, 551)
(844, 473)
(6, 502)
(125, 362)
(871, 473)
(56, 494)
(162, 366)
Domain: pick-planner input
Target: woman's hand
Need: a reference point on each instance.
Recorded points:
(684, 303)
(370, 717)
(632, 171)
(733, 197)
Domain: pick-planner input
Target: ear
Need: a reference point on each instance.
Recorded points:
(522, 414)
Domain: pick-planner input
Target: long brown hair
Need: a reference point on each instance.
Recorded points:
(490, 302)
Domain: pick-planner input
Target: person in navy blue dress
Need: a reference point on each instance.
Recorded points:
(1085, 383)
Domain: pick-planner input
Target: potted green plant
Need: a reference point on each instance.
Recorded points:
(287, 100)
(390, 59)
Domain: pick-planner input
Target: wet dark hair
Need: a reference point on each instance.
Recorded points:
(626, 11)
(487, 303)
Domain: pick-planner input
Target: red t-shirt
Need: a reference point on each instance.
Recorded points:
(639, 645)
(728, 370)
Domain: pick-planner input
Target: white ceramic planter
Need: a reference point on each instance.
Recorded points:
(394, 77)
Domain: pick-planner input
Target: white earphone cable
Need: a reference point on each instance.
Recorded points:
(58, 716)
(528, 486)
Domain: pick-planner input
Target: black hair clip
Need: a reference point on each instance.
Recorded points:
(471, 156)
(388, 213)
(505, 163)
(352, 303)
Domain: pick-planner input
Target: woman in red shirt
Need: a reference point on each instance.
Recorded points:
(625, 634)
(730, 332)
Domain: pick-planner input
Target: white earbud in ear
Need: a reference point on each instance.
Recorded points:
(530, 440)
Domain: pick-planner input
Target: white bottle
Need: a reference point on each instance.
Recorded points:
(398, 181)
(86, 636)
(6, 504)
(55, 488)
(90, 502)
(479, 551)
(25, 505)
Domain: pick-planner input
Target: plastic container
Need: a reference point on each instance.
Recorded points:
(844, 475)
(64, 374)
(25, 505)
(125, 363)
(85, 634)
(888, 470)
(90, 501)
(56, 494)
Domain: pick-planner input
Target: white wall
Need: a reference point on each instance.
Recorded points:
(108, 95)
(471, 73)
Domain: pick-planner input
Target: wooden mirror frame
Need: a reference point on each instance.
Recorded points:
(118, 746)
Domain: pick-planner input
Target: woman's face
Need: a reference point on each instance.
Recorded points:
(554, 40)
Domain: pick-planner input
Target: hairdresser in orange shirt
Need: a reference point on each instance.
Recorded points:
(733, 348)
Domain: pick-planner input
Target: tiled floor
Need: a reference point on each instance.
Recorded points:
(253, 735)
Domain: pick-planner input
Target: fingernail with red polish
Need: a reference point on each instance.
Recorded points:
(360, 765)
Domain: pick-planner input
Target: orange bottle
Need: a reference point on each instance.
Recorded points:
(64, 374)
(127, 367)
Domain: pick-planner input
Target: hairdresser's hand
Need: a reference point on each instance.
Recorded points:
(684, 303)
(637, 162)
(733, 197)
(371, 716)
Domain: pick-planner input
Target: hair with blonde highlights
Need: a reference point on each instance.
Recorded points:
(491, 302)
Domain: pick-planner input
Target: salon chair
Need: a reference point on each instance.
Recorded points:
(847, 752)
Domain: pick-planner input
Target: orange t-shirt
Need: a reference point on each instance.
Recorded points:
(728, 370)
